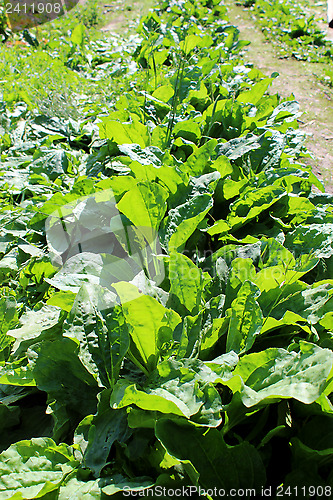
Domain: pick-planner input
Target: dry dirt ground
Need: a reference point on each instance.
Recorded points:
(115, 25)
(298, 78)
(121, 13)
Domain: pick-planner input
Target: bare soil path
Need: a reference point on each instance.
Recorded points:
(118, 14)
(297, 78)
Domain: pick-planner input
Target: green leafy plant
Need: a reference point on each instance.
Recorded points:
(293, 28)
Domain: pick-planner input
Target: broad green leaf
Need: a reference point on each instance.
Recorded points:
(186, 284)
(145, 156)
(164, 93)
(8, 264)
(161, 458)
(77, 36)
(126, 394)
(119, 185)
(220, 227)
(277, 374)
(182, 221)
(144, 204)
(267, 159)
(253, 203)
(188, 335)
(246, 319)
(82, 268)
(236, 148)
(285, 109)
(124, 133)
(119, 483)
(157, 110)
(191, 80)
(8, 313)
(284, 274)
(255, 93)
(232, 188)
(273, 254)
(52, 163)
(241, 270)
(188, 130)
(144, 419)
(42, 322)
(327, 321)
(199, 98)
(190, 42)
(99, 268)
(271, 298)
(190, 207)
(311, 303)
(289, 318)
(169, 175)
(223, 366)
(211, 335)
(220, 466)
(181, 388)
(223, 165)
(8, 319)
(34, 468)
(198, 160)
(73, 487)
(299, 206)
(159, 136)
(100, 432)
(43, 125)
(19, 373)
(196, 186)
(144, 317)
(58, 200)
(315, 238)
(99, 325)
(275, 277)
(64, 300)
(71, 389)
